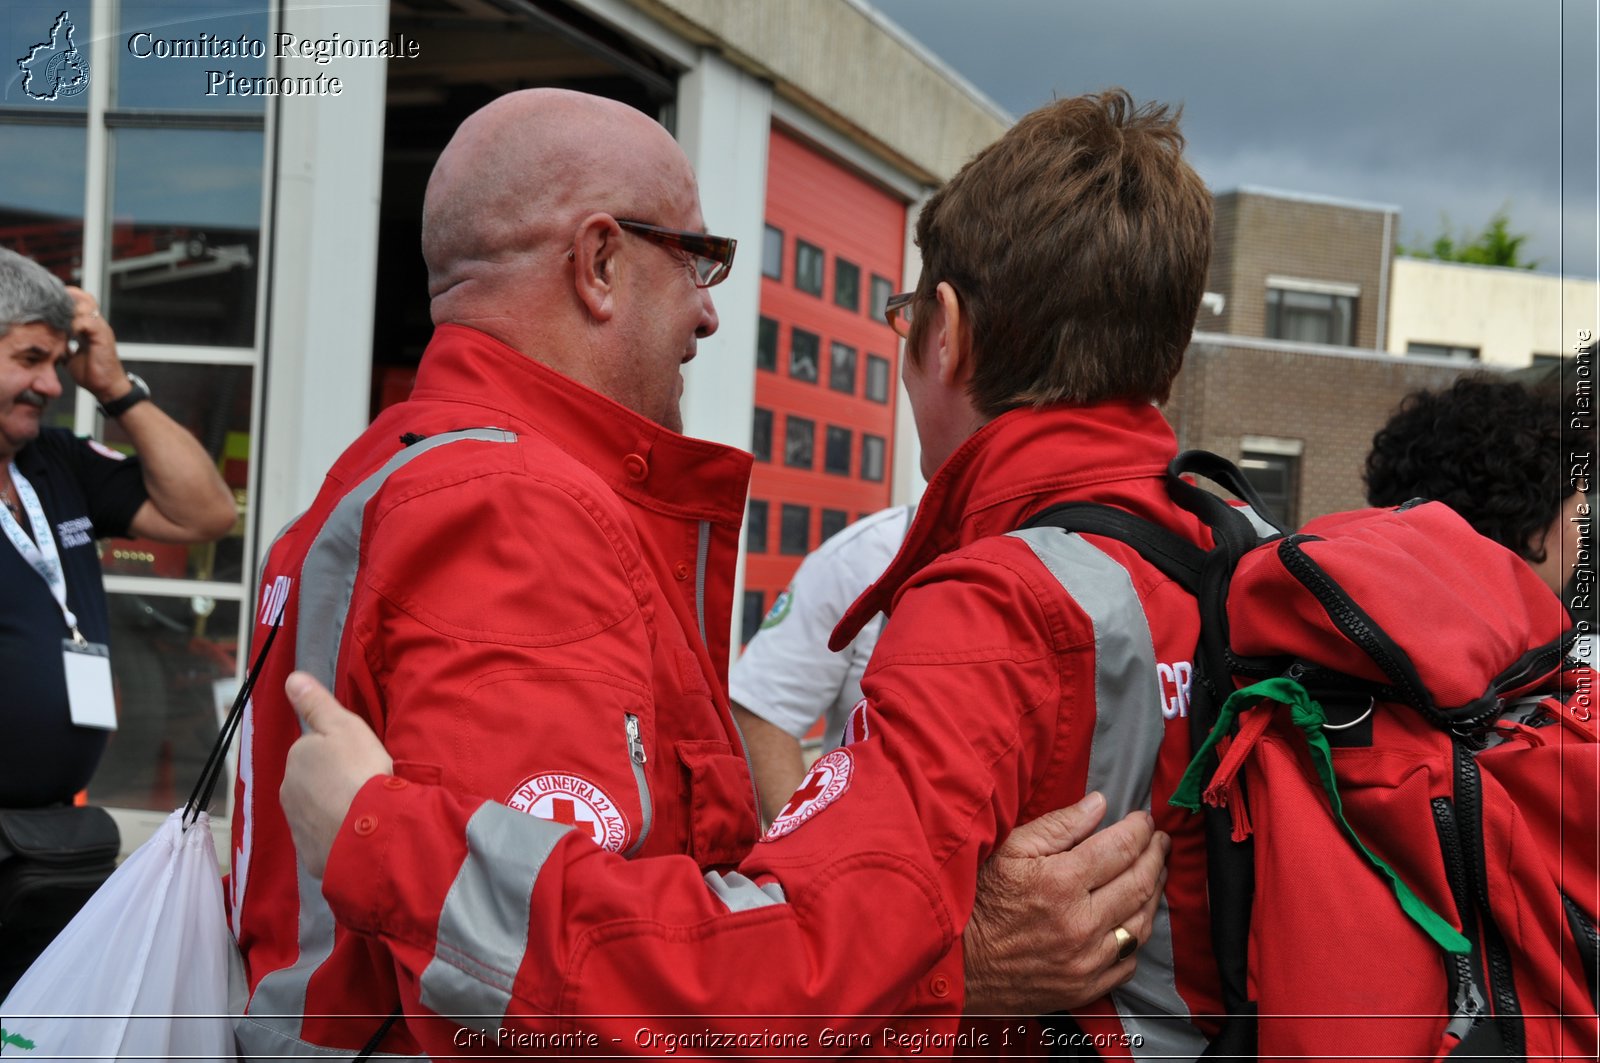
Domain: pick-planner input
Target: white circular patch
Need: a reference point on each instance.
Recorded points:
(823, 785)
(576, 802)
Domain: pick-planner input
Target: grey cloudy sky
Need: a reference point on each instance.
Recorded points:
(1439, 107)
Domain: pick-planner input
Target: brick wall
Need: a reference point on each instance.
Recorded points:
(1258, 235)
(1331, 402)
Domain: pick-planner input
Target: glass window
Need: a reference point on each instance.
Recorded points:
(804, 350)
(842, 368)
(185, 243)
(1445, 350)
(872, 458)
(45, 60)
(174, 668)
(882, 288)
(751, 613)
(834, 521)
(772, 253)
(846, 284)
(41, 207)
(213, 402)
(798, 439)
(755, 524)
(761, 435)
(794, 538)
(149, 76)
(767, 344)
(877, 378)
(836, 452)
(1310, 317)
(1276, 477)
(807, 267)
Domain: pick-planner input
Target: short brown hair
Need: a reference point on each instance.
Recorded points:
(1078, 244)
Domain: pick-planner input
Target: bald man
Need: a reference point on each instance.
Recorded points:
(521, 580)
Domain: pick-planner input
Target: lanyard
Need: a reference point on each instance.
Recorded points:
(40, 551)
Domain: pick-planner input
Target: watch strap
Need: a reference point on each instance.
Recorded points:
(137, 394)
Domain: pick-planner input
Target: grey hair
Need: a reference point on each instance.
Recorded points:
(31, 294)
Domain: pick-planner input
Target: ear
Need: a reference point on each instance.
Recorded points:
(955, 339)
(594, 266)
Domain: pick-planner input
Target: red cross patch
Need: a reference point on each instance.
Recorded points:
(823, 785)
(575, 802)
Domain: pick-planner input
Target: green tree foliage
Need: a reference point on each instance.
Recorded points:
(1494, 245)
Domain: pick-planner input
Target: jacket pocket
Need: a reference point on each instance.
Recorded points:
(722, 804)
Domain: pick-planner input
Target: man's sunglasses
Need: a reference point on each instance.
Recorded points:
(712, 255)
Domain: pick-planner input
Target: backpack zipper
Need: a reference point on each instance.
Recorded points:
(1463, 990)
(636, 756)
(1497, 961)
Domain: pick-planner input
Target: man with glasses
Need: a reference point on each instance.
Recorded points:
(534, 614)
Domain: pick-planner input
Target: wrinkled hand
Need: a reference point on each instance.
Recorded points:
(95, 367)
(1041, 934)
(327, 765)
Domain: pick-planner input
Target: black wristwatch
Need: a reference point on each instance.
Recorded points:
(139, 393)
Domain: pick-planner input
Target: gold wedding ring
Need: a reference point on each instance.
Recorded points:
(1126, 942)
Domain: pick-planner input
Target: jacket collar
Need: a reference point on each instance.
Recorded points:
(1008, 470)
(640, 460)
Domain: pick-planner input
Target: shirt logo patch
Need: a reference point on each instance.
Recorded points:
(105, 451)
(779, 610)
(575, 802)
(78, 531)
(824, 784)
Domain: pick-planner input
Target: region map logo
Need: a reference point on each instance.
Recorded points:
(54, 68)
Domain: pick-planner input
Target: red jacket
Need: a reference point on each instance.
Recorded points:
(526, 623)
(980, 712)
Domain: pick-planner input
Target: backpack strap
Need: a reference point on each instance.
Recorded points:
(1230, 865)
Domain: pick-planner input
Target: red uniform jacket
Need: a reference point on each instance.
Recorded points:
(1016, 672)
(523, 619)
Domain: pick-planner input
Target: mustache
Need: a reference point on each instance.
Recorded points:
(33, 398)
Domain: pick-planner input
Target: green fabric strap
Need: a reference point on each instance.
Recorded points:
(1307, 715)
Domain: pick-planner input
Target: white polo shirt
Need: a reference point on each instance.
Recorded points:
(786, 675)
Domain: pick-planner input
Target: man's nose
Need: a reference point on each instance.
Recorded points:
(708, 315)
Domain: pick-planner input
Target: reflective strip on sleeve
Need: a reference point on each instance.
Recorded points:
(272, 1025)
(1128, 730)
(483, 929)
(740, 894)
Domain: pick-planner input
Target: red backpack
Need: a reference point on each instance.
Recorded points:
(1400, 776)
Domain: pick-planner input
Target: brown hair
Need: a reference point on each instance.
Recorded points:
(1078, 244)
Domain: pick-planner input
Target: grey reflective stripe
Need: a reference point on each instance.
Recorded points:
(328, 575)
(1259, 523)
(740, 894)
(327, 578)
(702, 555)
(260, 1041)
(1128, 730)
(483, 929)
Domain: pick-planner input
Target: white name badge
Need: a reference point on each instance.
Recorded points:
(89, 693)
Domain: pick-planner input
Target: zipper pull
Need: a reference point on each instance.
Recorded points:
(635, 743)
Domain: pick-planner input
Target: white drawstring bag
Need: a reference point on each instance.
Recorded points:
(146, 968)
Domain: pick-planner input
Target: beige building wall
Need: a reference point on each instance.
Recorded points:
(1507, 315)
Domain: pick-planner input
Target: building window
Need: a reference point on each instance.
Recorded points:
(836, 452)
(772, 253)
(755, 608)
(804, 349)
(882, 288)
(842, 368)
(1443, 350)
(761, 435)
(834, 521)
(877, 378)
(1544, 361)
(767, 344)
(1306, 316)
(846, 284)
(794, 538)
(798, 439)
(755, 528)
(1273, 469)
(872, 458)
(807, 267)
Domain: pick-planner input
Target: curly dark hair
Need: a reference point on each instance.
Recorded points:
(1489, 449)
